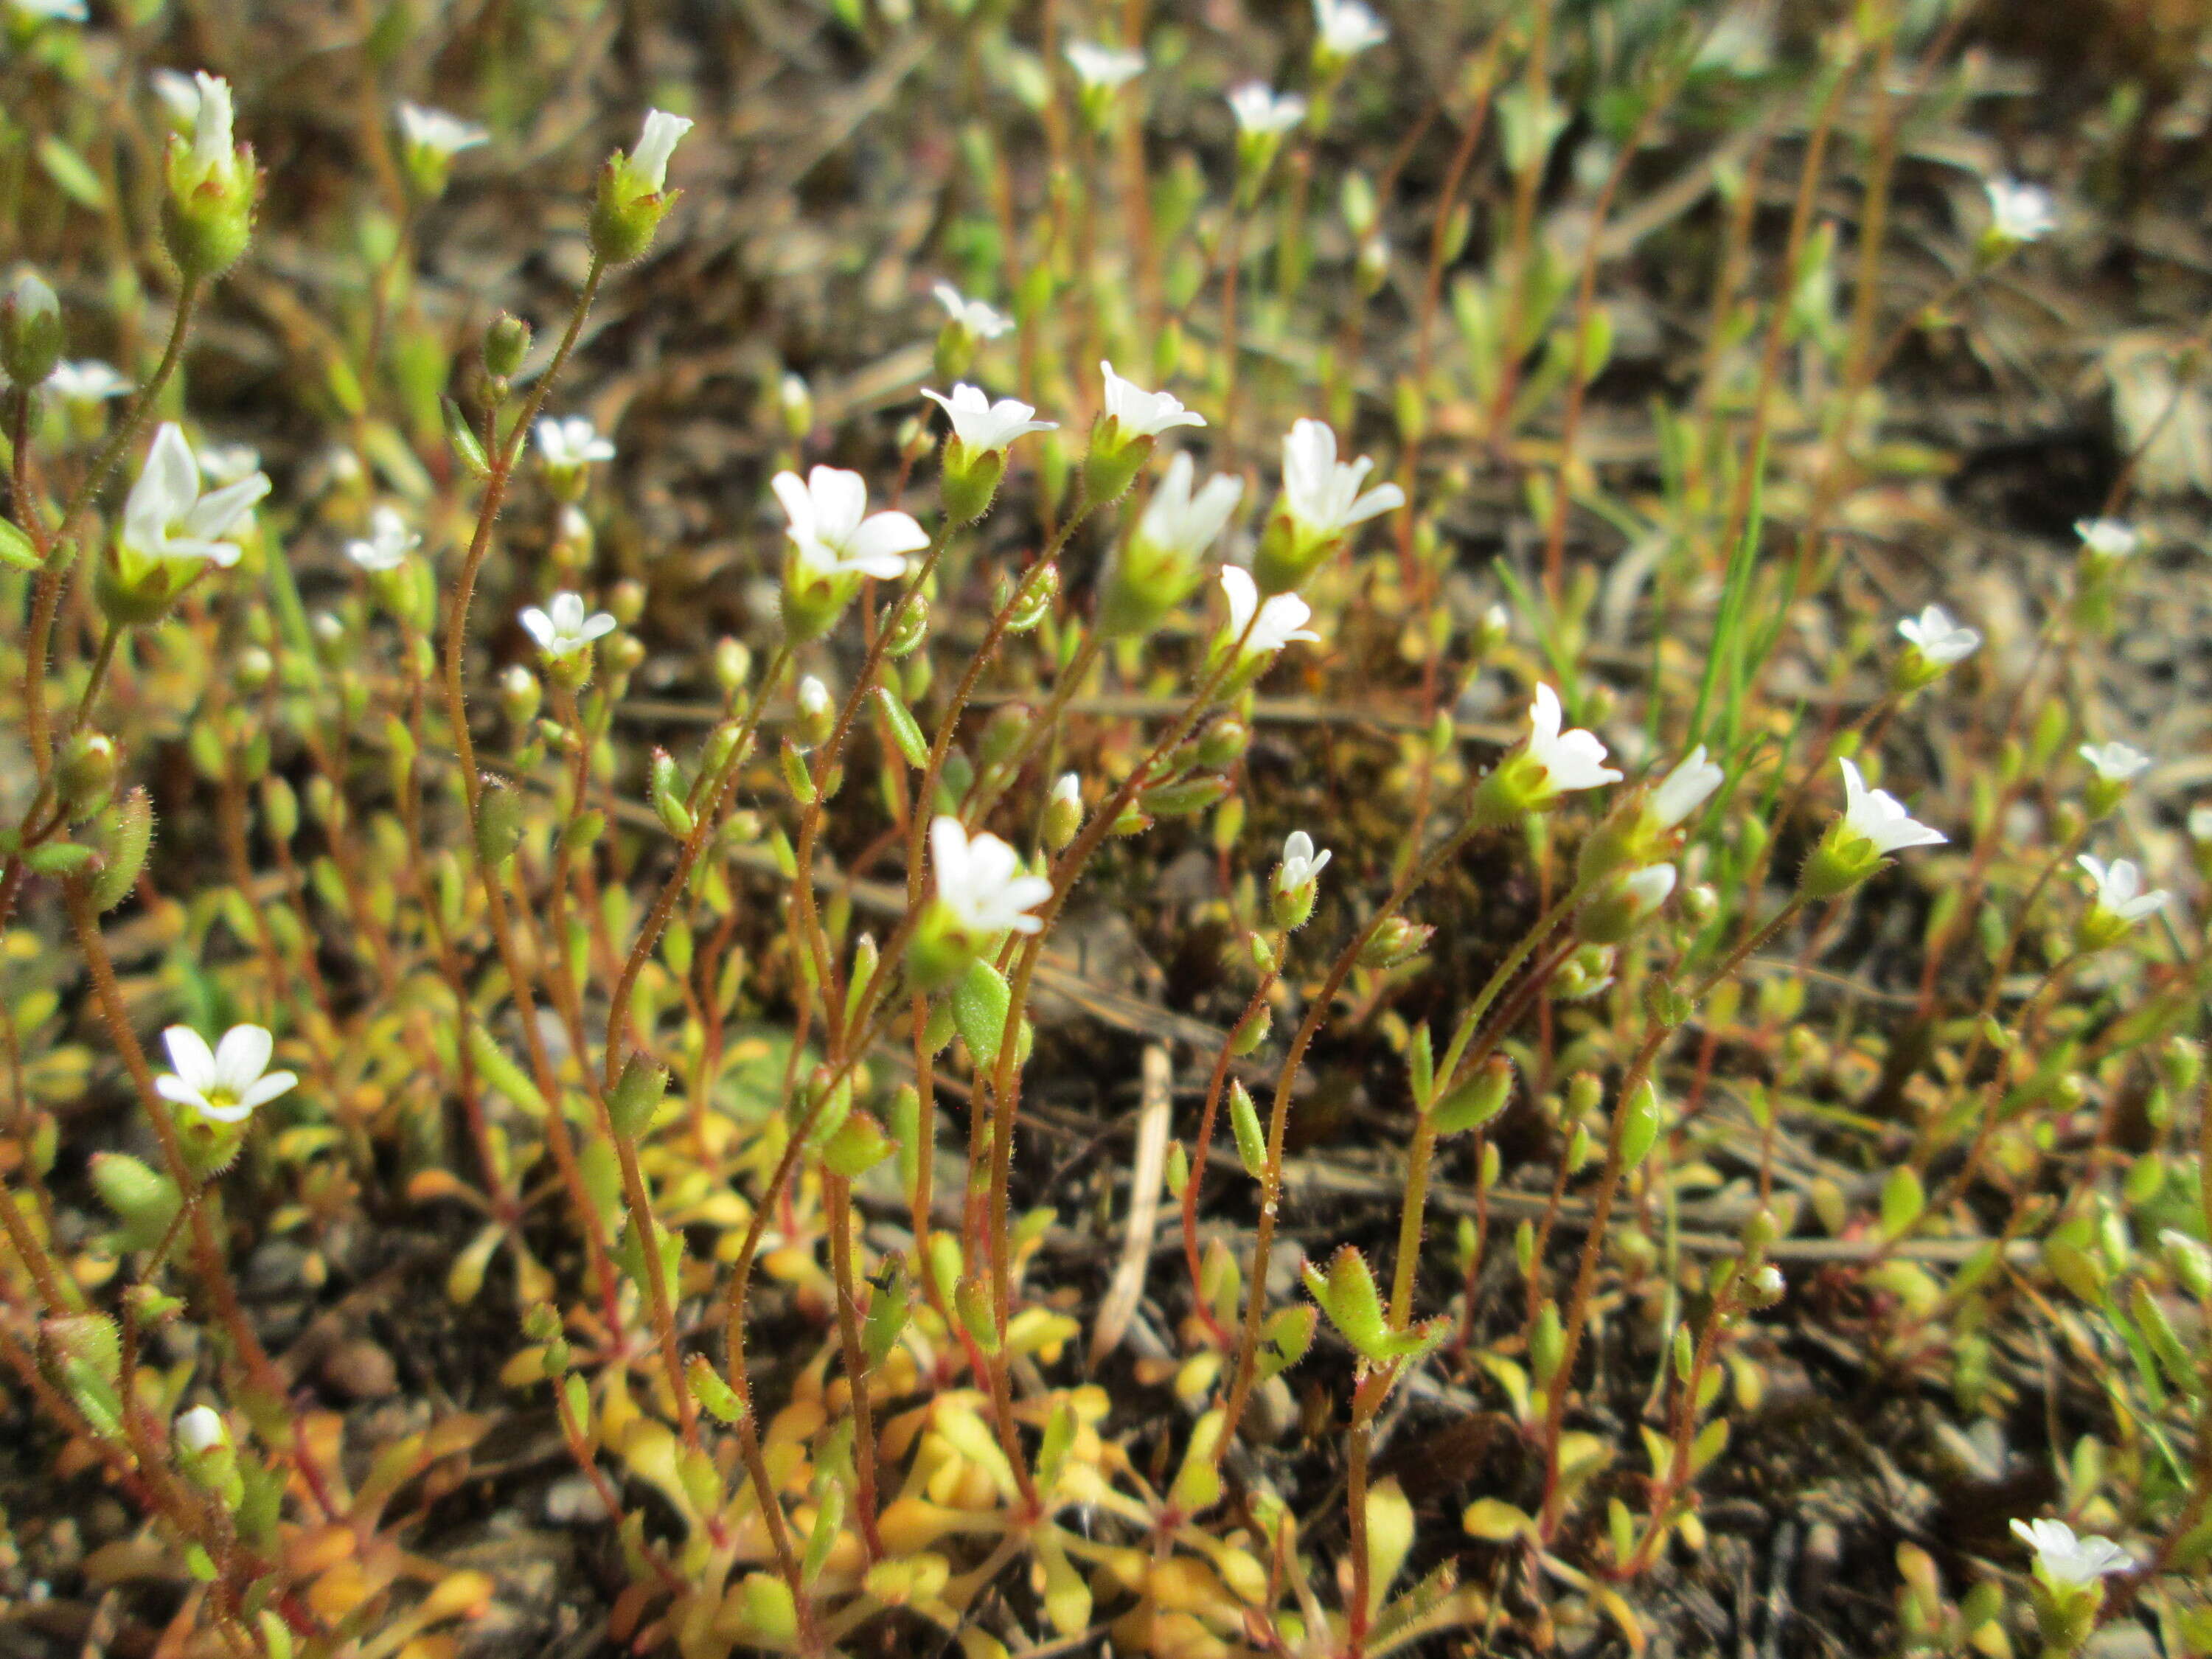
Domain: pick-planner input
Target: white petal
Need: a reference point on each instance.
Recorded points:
(190, 1057)
(275, 1084)
(242, 1057)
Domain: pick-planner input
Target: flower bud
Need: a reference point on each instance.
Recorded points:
(207, 214)
(86, 773)
(913, 626)
(816, 715)
(30, 330)
(1063, 813)
(1623, 904)
(520, 696)
(633, 194)
(734, 665)
(1396, 940)
(506, 343)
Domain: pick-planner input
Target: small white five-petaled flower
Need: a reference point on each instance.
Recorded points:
(167, 517)
(984, 426)
(562, 629)
(973, 317)
(1140, 414)
(1276, 624)
(2109, 538)
(227, 1082)
(834, 532)
(2120, 889)
(2115, 762)
(387, 545)
(1939, 639)
(2020, 213)
(1321, 493)
(980, 880)
(571, 442)
(1179, 521)
(1102, 69)
(2069, 1560)
(1569, 760)
(90, 381)
(1880, 818)
(1346, 28)
(434, 130)
(1264, 112)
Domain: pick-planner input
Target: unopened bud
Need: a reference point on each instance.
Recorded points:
(30, 330)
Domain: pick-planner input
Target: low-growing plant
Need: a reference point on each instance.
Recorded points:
(413, 890)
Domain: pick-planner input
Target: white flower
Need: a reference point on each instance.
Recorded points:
(1880, 818)
(834, 532)
(1682, 792)
(1569, 760)
(972, 316)
(561, 628)
(2115, 762)
(2200, 824)
(980, 881)
(571, 442)
(649, 163)
(1280, 620)
(1348, 27)
(2119, 888)
(90, 381)
(2111, 538)
(389, 542)
(1069, 788)
(200, 1429)
(2020, 213)
(226, 464)
(1301, 863)
(1102, 69)
(813, 696)
(1264, 112)
(1179, 522)
(2069, 1560)
(225, 1082)
(1649, 888)
(1939, 639)
(982, 425)
(435, 130)
(1321, 493)
(177, 93)
(1141, 414)
(212, 118)
(167, 517)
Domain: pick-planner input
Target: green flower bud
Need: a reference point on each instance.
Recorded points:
(633, 195)
(30, 330)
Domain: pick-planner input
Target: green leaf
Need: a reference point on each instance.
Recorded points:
(980, 1002)
(1421, 1067)
(72, 172)
(15, 549)
(1348, 1296)
(905, 732)
(1251, 1139)
(1902, 1202)
(466, 447)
